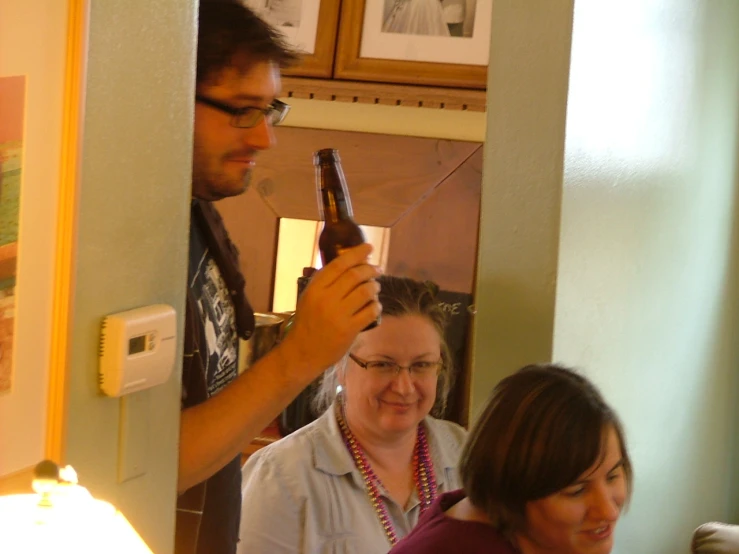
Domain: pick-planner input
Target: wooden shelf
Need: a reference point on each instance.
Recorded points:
(392, 95)
(8, 256)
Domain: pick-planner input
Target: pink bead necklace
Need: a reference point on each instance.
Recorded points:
(423, 473)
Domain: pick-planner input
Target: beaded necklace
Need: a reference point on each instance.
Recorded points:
(423, 473)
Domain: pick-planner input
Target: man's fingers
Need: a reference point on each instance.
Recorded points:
(353, 279)
(351, 257)
(361, 296)
(368, 314)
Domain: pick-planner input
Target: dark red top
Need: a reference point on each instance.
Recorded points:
(436, 533)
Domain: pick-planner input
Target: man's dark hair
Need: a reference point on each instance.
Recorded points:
(542, 428)
(230, 33)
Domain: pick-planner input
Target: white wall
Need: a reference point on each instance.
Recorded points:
(647, 284)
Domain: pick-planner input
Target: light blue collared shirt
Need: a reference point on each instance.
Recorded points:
(304, 495)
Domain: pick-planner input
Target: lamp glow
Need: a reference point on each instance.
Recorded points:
(64, 517)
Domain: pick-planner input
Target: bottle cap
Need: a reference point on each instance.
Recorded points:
(326, 156)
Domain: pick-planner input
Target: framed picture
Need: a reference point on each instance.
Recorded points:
(12, 114)
(425, 42)
(310, 26)
(32, 91)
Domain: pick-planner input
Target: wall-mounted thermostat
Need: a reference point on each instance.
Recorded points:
(137, 349)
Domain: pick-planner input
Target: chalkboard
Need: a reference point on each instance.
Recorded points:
(458, 306)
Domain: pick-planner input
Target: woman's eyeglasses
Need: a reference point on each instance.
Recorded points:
(386, 368)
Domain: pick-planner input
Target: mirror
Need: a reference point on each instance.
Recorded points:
(297, 247)
(12, 97)
(418, 200)
(425, 191)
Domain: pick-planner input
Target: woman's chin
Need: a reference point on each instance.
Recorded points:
(398, 420)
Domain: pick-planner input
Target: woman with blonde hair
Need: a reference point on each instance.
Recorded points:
(357, 479)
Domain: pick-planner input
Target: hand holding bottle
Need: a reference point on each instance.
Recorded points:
(340, 231)
(338, 303)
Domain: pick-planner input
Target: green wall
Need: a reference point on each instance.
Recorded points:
(522, 189)
(648, 285)
(131, 249)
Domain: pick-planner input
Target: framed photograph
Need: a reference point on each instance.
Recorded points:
(425, 42)
(310, 26)
(32, 87)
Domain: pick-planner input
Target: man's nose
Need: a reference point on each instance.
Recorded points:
(261, 136)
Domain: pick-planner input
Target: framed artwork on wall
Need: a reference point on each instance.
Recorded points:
(425, 42)
(310, 26)
(12, 112)
(33, 88)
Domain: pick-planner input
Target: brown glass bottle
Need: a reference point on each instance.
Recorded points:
(340, 231)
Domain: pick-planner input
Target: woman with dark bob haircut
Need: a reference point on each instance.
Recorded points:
(544, 469)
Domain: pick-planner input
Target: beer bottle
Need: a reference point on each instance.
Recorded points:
(340, 231)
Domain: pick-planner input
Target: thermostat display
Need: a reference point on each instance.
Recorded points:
(136, 345)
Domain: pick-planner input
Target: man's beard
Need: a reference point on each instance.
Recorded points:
(216, 186)
(246, 181)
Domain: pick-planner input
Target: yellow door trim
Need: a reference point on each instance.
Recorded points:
(66, 230)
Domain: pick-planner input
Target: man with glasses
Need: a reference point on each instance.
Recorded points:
(238, 81)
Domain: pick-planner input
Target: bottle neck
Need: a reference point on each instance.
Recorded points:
(335, 202)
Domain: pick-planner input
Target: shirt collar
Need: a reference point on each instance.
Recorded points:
(330, 455)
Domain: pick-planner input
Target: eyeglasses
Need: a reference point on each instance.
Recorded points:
(384, 368)
(250, 116)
